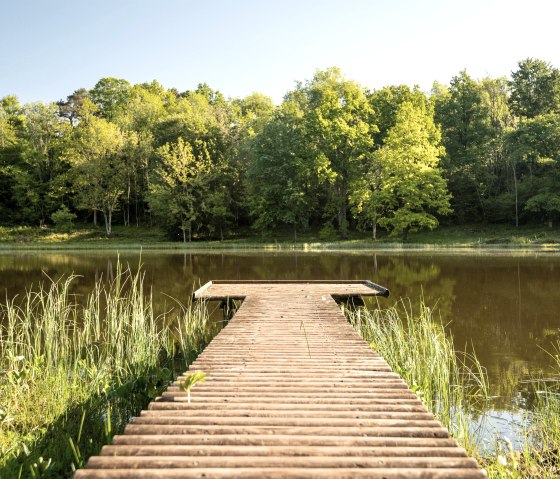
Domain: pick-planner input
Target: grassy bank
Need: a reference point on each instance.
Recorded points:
(454, 387)
(74, 370)
(470, 236)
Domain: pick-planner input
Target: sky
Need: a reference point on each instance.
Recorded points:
(49, 48)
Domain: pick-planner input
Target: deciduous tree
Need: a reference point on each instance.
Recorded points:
(280, 172)
(412, 190)
(338, 135)
(176, 188)
(535, 88)
(98, 169)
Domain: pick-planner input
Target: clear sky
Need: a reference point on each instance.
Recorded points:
(49, 48)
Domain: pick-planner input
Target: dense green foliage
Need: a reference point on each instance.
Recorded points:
(332, 157)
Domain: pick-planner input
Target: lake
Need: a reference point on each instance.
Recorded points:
(506, 307)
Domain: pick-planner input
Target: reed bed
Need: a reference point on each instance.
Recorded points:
(74, 369)
(539, 458)
(454, 386)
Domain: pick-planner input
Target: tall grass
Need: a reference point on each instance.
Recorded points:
(453, 386)
(74, 370)
(539, 458)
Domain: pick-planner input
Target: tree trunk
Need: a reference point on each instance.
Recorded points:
(515, 188)
(128, 202)
(221, 233)
(342, 222)
(342, 194)
(136, 211)
(184, 235)
(136, 200)
(190, 233)
(107, 214)
(94, 217)
(405, 234)
(374, 229)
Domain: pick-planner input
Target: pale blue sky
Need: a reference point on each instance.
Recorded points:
(49, 48)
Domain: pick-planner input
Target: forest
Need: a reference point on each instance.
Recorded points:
(332, 158)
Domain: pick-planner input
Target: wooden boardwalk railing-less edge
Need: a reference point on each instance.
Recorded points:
(291, 391)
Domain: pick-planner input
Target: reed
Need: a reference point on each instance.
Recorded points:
(452, 385)
(75, 369)
(539, 458)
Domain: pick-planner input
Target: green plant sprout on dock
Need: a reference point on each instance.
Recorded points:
(302, 326)
(189, 381)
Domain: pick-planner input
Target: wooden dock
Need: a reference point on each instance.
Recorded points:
(291, 391)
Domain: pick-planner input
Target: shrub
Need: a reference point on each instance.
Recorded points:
(63, 218)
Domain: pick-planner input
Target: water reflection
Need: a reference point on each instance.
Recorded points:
(505, 308)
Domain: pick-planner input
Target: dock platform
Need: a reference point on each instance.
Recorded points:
(291, 391)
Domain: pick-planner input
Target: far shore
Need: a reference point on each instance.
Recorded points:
(485, 239)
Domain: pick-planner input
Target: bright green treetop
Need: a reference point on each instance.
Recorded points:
(338, 132)
(411, 188)
(178, 180)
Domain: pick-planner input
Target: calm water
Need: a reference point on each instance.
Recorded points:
(505, 307)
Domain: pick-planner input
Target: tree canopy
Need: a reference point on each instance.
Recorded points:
(333, 157)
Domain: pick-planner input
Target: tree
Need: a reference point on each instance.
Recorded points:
(12, 167)
(216, 204)
(98, 170)
(43, 133)
(385, 104)
(547, 203)
(248, 118)
(177, 184)
(338, 135)
(136, 155)
(72, 108)
(467, 136)
(535, 88)
(534, 151)
(501, 197)
(110, 95)
(366, 200)
(203, 119)
(279, 173)
(145, 108)
(411, 189)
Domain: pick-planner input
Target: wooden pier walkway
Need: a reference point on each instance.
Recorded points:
(291, 391)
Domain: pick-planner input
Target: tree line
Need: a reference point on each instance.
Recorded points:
(332, 157)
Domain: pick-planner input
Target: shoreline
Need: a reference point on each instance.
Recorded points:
(473, 239)
(264, 247)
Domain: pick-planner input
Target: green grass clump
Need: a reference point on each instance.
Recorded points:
(453, 386)
(74, 370)
(539, 458)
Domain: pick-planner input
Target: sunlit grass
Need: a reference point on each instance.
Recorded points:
(454, 386)
(480, 237)
(417, 347)
(72, 368)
